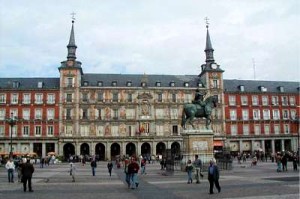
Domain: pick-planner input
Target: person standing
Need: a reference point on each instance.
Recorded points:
(27, 171)
(10, 166)
(213, 177)
(109, 167)
(94, 166)
(198, 168)
(72, 171)
(189, 169)
(127, 175)
(133, 169)
(143, 166)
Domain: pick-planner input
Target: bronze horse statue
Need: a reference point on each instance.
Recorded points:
(190, 111)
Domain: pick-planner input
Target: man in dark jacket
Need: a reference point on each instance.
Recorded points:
(213, 176)
(27, 171)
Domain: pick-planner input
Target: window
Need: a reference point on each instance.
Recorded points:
(129, 97)
(284, 100)
(173, 97)
(50, 98)
(38, 130)
(100, 83)
(245, 114)
(115, 97)
(25, 130)
(233, 129)
(242, 88)
(244, 100)
(257, 129)
(157, 84)
(84, 113)
(2, 98)
(286, 129)
(14, 98)
(172, 84)
(26, 98)
(232, 100)
(14, 130)
(256, 114)
(275, 100)
(50, 114)
(129, 84)
(69, 82)
(100, 97)
(276, 129)
(38, 114)
(232, 114)
(40, 84)
(159, 99)
(267, 129)
(114, 83)
(186, 84)
(175, 130)
(1, 130)
(254, 100)
(292, 101)
(69, 97)
(2, 114)
(215, 83)
(50, 130)
(84, 97)
(85, 83)
(16, 84)
(38, 98)
(143, 84)
(246, 129)
(99, 113)
(26, 114)
(68, 114)
(116, 114)
(265, 100)
(276, 115)
(293, 114)
(285, 114)
(266, 114)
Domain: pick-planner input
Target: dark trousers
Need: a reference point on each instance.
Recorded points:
(93, 171)
(25, 180)
(10, 173)
(213, 182)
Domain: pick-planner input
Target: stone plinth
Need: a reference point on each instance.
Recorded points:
(197, 142)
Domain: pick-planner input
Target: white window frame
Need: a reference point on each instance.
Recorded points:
(275, 100)
(284, 100)
(246, 129)
(266, 114)
(265, 100)
(50, 113)
(244, 100)
(50, 130)
(26, 114)
(232, 100)
(38, 113)
(24, 129)
(14, 98)
(2, 114)
(257, 129)
(232, 114)
(2, 98)
(286, 128)
(233, 129)
(38, 130)
(50, 98)
(285, 114)
(256, 114)
(267, 129)
(255, 100)
(26, 98)
(276, 129)
(2, 130)
(245, 114)
(292, 101)
(38, 98)
(293, 114)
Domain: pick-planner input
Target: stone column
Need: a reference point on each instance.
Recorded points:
(77, 147)
(241, 146)
(139, 151)
(108, 145)
(92, 148)
(263, 146)
(43, 149)
(282, 145)
(273, 146)
(252, 146)
(123, 149)
(30, 147)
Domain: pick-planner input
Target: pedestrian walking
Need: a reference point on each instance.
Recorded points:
(94, 166)
(18, 167)
(295, 162)
(109, 167)
(213, 176)
(133, 169)
(127, 175)
(143, 166)
(198, 168)
(189, 169)
(10, 166)
(27, 171)
(72, 171)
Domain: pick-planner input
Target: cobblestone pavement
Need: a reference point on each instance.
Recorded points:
(243, 182)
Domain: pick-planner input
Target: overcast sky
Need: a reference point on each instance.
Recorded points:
(252, 39)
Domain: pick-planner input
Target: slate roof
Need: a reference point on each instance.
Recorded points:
(255, 86)
(29, 83)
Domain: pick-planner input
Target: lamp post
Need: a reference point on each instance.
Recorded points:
(12, 121)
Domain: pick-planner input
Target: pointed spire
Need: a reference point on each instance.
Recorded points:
(209, 51)
(72, 46)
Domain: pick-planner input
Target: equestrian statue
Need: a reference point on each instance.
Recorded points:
(199, 107)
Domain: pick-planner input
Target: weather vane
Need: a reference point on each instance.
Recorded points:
(73, 16)
(206, 21)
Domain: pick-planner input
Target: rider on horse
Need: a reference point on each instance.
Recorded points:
(199, 99)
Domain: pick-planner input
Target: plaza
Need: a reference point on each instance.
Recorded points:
(243, 181)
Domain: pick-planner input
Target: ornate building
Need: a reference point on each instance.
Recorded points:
(115, 114)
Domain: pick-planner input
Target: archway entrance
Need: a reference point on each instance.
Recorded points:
(146, 149)
(114, 151)
(161, 149)
(175, 150)
(100, 151)
(84, 149)
(69, 150)
(130, 149)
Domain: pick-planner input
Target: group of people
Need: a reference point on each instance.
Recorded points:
(197, 166)
(25, 170)
(131, 169)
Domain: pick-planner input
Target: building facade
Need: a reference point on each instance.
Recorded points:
(108, 115)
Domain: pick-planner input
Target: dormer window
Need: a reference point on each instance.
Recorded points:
(143, 84)
(242, 88)
(158, 84)
(40, 84)
(263, 89)
(281, 89)
(85, 83)
(200, 85)
(172, 84)
(186, 84)
(16, 84)
(100, 83)
(129, 83)
(114, 83)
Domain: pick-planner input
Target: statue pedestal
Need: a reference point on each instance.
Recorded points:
(197, 142)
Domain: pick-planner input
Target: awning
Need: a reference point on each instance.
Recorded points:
(218, 143)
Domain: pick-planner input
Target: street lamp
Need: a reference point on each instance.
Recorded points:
(12, 121)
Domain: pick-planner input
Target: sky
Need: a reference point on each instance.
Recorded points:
(257, 39)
